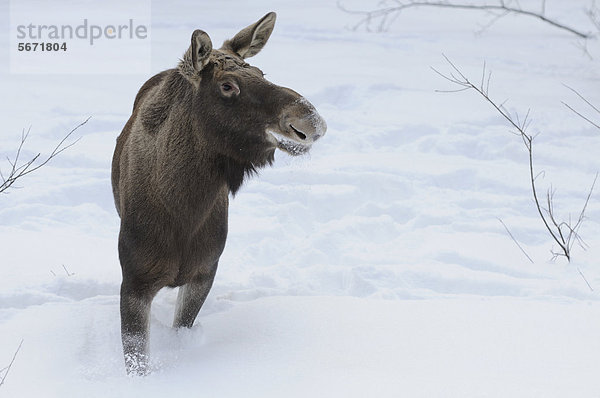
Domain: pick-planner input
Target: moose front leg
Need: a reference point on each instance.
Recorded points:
(135, 325)
(191, 297)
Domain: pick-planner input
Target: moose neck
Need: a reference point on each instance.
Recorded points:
(207, 174)
(234, 172)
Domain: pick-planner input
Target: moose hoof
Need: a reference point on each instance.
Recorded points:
(137, 364)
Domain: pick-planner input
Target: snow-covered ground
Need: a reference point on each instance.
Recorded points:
(376, 266)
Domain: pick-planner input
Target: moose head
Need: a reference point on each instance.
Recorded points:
(245, 115)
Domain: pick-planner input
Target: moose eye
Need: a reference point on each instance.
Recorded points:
(229, 89)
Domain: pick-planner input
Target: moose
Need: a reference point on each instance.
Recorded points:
(195, 133)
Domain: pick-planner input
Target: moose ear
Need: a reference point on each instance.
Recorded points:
(249, 41)
(200, 49)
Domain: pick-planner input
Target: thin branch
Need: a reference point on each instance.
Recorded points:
(585, 279)
(593, 14)
(18, 171)
(491, 22)
(514, 240)
(384, 12)
(7, 369)
(582, 97)
(595, 124)
(550, 212)
(563, 233)
(581, 116)
(543, 7)
(67, 271)
(574, 231)
(560, 243)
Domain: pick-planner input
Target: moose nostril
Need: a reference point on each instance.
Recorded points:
(299, 133)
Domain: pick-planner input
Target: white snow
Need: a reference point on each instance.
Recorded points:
(375, 266)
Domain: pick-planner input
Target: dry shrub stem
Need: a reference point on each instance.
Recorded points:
(594, 108)
(386, 15)
(19, 170)
(515, 240)
(564, 233)
(7, 369)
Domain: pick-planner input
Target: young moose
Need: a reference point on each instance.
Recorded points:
(195, 133)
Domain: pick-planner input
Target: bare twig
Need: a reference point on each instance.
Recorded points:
(543, 7)
(593, 14)
(581, 116)
(19, 170)
(67, 271)
(7, 369)
(387, 14)
(491, 22)
(565, 234)
(585, 279)
(595, 124)
(573, 231)
(514, 240)
(583, 98)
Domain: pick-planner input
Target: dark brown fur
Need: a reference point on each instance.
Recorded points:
(194, 134)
